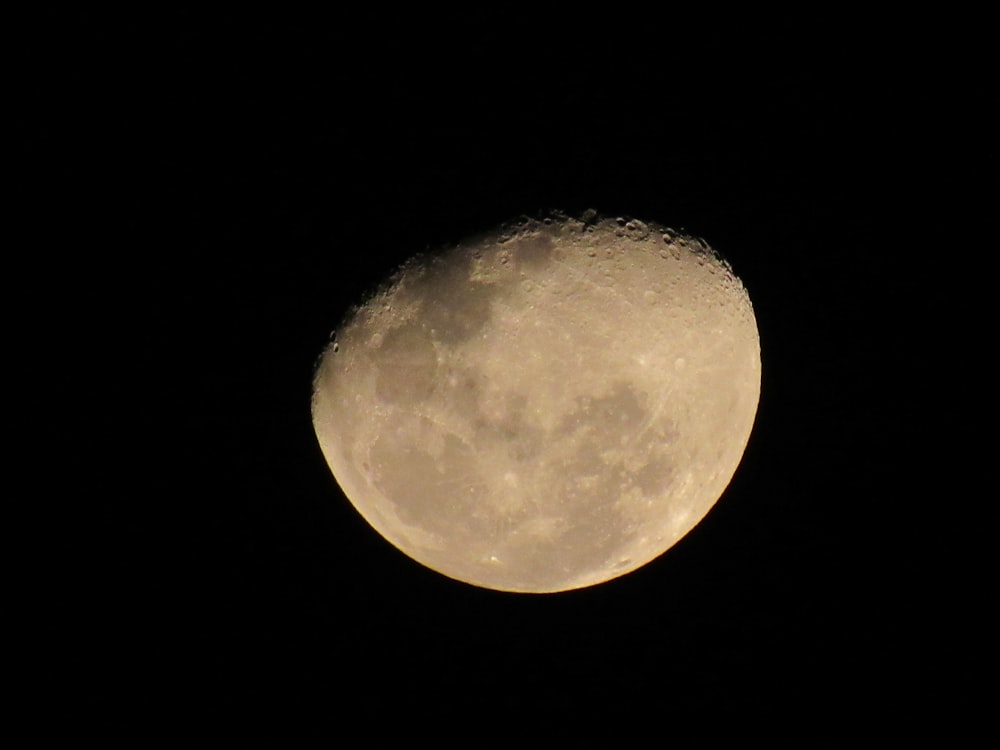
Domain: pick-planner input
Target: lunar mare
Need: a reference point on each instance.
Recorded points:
(545, 407)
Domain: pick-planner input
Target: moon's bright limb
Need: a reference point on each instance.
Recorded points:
(546, 407)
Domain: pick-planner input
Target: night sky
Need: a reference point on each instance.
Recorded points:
(246, 180)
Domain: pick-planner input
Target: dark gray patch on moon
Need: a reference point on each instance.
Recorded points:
(454, 308)
(533, 252)
(409, 365)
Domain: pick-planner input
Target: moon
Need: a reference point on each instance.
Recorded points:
(545, 407)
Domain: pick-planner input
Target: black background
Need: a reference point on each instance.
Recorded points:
(234, 184)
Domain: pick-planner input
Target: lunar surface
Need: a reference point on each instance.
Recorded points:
(545, 407)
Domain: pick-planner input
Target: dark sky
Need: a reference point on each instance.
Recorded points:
(245, 180)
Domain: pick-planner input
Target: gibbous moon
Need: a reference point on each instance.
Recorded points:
(545, 407)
